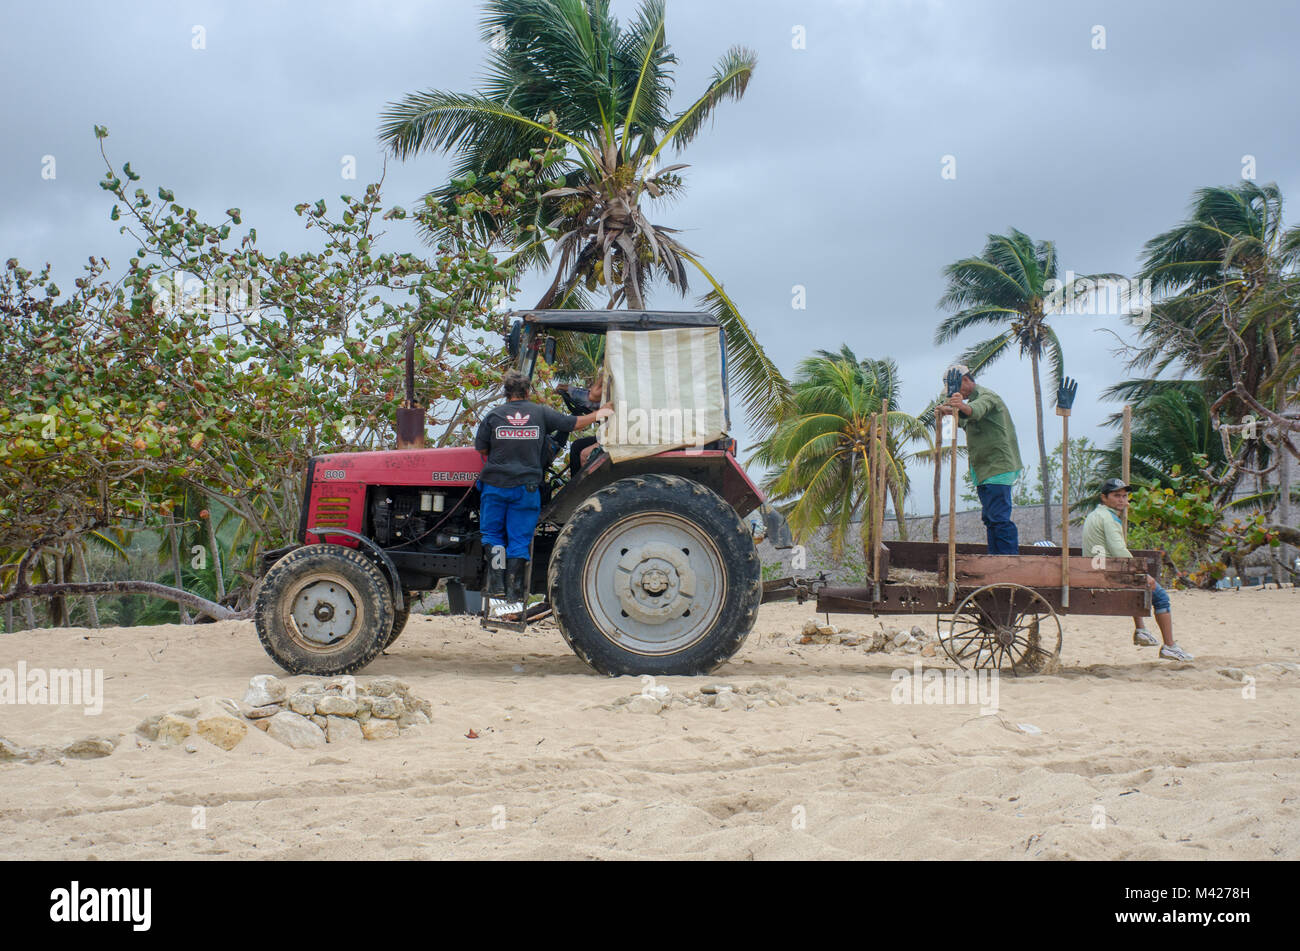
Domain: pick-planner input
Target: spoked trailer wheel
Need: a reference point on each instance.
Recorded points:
(655, 575)
(1003, 627)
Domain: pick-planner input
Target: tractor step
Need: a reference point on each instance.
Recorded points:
(499, 614)
(512, 620)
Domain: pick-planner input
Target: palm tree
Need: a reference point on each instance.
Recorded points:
(1228, 290)
(1229, 260)
(565, 73)
(819, 452)
(1171, 427)
(1014, 285)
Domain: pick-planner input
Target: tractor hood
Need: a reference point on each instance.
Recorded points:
(451, 466)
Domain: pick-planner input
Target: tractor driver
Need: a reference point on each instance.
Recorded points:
(512, 440)
(589, 399)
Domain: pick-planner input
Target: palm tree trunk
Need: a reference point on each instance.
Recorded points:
(1285, 553)
(29, 614)
(176, 570)
(900, 517)
(216, 555)
(869, 513)
(1042, 448)
(631, 294)
(58, 605)
(92, 610)
(9, 618)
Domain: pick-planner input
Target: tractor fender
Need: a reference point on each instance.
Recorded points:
(387, 563)
(715, 468)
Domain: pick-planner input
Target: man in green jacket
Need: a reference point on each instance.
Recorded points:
(1103, 537)
(994, 455)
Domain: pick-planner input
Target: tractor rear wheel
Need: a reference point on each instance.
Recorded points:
(655, 575)
(324, 610)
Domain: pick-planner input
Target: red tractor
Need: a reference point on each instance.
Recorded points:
(647, 563)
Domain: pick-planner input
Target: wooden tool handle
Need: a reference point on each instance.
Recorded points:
(1125, 459)
(878, 476)
(952, 518)
(1065, 506)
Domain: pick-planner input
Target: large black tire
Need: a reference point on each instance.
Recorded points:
(324, 610)
(400, 618)
(655, 575)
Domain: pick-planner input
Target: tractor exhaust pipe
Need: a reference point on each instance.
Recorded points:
(410, 415)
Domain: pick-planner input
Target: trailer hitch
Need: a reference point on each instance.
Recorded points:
(796, 589)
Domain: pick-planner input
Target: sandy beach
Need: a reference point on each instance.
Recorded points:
(1133, 758)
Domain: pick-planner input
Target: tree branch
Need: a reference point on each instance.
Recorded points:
(202, 605)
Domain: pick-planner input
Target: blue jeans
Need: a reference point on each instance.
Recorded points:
(995, 502)
(1160, 600)
(508, 517)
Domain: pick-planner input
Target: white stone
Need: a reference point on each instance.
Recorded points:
(374, 729)
(172, 730)
(644, 704)
(342, 729)
(345, 685)
(264, 689)
(90, 748)
(222, 731)
(387, 708)
(387, 687)
(295, 730)
(729, 700)
(337, 706)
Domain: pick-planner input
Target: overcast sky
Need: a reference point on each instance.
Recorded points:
(826, 175)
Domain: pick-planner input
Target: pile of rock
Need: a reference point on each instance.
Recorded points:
(317, 712)
(915, 641)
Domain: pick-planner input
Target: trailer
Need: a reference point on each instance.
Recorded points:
(1005, 610)
(998, 612)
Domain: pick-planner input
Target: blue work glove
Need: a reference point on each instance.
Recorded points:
(953, 381)
(1066, 392)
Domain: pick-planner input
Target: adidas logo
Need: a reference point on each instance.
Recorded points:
(518, 419)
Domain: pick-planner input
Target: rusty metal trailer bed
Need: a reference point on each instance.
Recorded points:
(1006, 609)
(1000, 611)
(1005, 612)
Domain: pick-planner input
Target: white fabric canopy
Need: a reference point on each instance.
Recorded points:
(666, 387)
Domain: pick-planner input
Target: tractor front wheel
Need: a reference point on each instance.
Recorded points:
(324, 610)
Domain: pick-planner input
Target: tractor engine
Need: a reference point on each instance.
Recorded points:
(419, 507)
(418, 517)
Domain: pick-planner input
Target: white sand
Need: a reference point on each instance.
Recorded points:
(1181, 763)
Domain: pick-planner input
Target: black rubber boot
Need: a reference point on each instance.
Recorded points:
(516, 581)
(496, 577)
